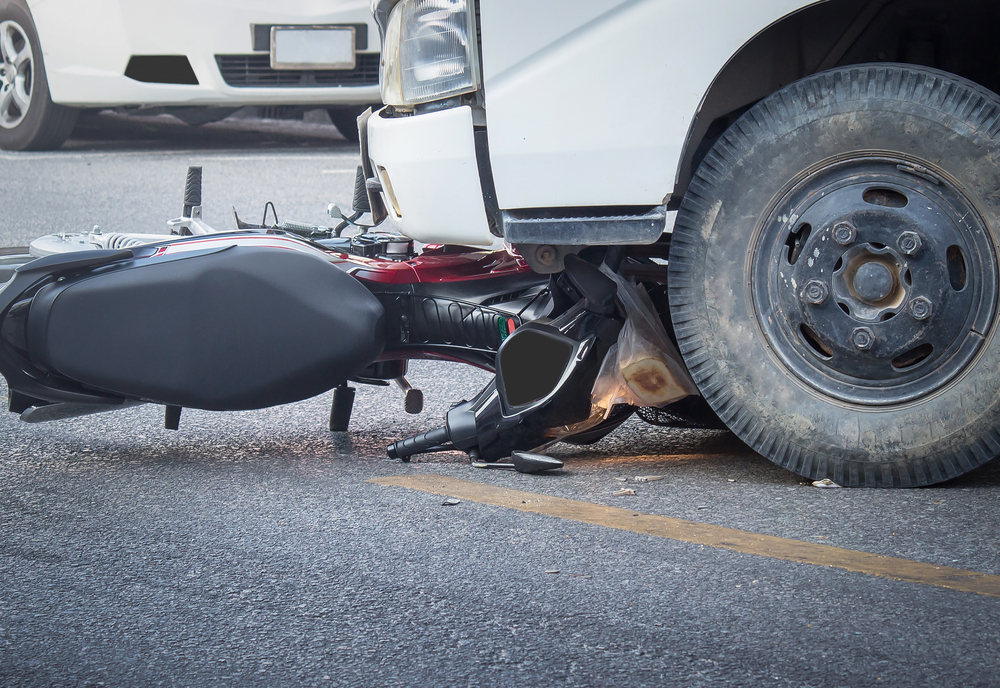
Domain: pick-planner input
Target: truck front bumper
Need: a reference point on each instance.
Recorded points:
(427, 167)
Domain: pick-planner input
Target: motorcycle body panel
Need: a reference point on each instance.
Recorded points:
(224, 327)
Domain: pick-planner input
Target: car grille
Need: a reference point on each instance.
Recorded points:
(255, 71)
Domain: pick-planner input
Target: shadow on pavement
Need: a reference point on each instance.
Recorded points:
(112, 132)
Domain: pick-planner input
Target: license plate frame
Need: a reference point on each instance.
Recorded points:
(302, 47)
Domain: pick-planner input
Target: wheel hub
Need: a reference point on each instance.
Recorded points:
(16, 74)
(870, 283)
(875, 284)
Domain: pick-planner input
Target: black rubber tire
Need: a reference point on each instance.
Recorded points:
(922, 114)
(346, 121)
(45, 126)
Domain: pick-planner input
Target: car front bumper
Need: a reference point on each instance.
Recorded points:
(427, 167)
(87, 47)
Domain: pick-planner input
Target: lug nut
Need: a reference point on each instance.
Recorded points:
(814, 292)
(909, 243)
(862, 338)
(920, 308)
(844, 234)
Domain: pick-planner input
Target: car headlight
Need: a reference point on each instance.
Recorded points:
(430, 51)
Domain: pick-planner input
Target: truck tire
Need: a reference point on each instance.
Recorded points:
(346, 121)
(29, 120)
(833, 276)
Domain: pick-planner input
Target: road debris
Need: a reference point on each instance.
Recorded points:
(825, 482)
(730, 480)
(622, 480)
(648, 478)
(702, 508)
(624, 492)
(552, 571)
(451, 501)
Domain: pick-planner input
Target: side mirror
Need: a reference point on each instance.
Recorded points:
(522, 462)
(526, 462)
(333, 210)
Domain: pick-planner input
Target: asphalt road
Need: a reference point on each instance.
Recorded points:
(251, 549)
(127, 174)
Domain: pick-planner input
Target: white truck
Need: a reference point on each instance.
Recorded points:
(823, 176)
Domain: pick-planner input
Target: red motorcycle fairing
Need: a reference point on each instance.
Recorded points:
(438, 264)
(455, 306)
(435, 264)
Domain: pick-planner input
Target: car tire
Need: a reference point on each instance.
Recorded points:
(833, 276)
(29, 120)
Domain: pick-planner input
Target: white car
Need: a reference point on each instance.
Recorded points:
(185, 56)
(821, 177)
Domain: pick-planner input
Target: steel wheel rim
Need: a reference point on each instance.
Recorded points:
(17, 74)
(874, 279)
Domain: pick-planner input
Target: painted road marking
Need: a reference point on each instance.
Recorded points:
(704, 534)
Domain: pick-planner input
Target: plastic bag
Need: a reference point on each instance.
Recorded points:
(643, 368)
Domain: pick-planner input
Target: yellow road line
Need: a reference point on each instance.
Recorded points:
(704, 534)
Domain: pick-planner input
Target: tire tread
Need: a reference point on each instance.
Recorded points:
(951, 95)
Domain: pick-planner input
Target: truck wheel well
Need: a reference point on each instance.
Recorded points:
(951, 35)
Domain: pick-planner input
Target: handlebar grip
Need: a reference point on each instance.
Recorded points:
(192, 189)
(360, 202)
(404, 449)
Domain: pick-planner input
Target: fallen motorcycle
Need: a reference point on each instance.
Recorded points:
(268, 315)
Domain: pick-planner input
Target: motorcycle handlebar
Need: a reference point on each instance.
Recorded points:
(192, 190)
(404, 449)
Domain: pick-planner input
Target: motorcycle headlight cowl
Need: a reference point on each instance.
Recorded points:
(430, 52)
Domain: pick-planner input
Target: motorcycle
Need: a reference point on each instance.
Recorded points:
(272, 314)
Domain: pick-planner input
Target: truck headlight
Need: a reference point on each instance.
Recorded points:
(430, 51)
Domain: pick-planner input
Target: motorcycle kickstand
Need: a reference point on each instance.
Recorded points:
(342, 407)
